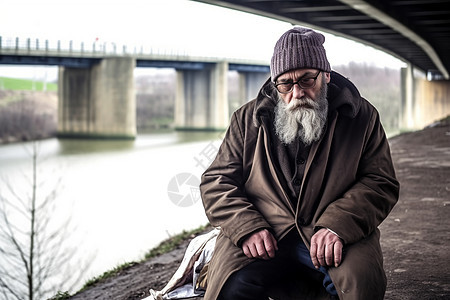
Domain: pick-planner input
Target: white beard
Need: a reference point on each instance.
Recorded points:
(303, 118)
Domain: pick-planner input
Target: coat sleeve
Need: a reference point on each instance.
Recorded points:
(370, 198)
(223, 187)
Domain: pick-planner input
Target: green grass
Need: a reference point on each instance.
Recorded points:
(25, 85)
(60, 296)
(173, 242)
(106, 275)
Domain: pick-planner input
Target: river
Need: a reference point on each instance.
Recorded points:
(122, 197)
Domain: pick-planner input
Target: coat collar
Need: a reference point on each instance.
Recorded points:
(343, 96)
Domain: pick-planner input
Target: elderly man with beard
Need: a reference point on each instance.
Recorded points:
(300, 184)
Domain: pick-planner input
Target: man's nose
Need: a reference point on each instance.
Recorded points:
(298, 92)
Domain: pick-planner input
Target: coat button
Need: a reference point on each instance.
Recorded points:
(297, 181)
(300, 161)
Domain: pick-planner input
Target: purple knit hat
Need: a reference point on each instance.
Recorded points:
(299, 48)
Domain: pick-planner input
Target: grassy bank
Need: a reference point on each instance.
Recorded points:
(16, 84)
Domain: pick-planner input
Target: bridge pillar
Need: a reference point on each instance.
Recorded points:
(406, 119)
(98, 102)
(423, 101)
(250, 83)
(201, 98)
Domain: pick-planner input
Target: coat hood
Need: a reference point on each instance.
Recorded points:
(343, 96)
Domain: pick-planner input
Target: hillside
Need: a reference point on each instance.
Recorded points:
(15, 84)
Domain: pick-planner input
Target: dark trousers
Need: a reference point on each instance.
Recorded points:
(257, 280)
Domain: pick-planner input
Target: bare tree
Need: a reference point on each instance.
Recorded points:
(35, 259)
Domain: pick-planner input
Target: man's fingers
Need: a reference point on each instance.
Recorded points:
(261, 244)
(321, 258)
(319, 255)
(261, 251)
(313, 254)
(329, 251)
(270, 245)
(255, 252)
(326, 249)
(338, 253)
(247, 251)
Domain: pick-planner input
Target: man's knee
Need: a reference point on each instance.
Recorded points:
(255, 280)
(242, 285)
(361, 274)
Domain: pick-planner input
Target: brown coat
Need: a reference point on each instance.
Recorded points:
(349, 186)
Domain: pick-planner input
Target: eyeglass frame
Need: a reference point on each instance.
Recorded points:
(298, 83)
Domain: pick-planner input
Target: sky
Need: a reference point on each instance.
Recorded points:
(171, 25)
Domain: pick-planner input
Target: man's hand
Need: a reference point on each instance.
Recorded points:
(326, 249)
(261, 244)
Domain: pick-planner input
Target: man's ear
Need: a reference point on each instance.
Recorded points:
(327, 77)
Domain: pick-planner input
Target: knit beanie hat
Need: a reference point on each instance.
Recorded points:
(299, 48)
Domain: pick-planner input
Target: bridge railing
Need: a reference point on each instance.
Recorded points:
(103, 48)
(97, 49)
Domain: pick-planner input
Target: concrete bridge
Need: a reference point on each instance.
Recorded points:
(96, 85)
(96, 90)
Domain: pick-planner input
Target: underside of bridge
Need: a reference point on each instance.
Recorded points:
(416, 31)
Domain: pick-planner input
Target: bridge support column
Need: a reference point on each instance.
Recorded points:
(98, 102)
(201, 98)
(250, 83)
(423, 101)
(406, 118)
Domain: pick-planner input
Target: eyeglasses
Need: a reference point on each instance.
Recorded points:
(305, 82)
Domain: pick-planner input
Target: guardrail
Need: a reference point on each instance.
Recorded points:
(97, 49)
(105, 48)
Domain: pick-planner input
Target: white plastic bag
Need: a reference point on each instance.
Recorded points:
(183, 282)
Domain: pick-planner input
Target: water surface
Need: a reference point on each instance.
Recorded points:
(116, 193)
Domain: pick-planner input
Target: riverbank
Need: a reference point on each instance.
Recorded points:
(415, 236)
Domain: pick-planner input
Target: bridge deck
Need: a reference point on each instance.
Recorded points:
(69, 54)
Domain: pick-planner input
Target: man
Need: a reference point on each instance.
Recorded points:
(299, 186)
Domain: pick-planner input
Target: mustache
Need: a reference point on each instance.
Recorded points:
(304, 102)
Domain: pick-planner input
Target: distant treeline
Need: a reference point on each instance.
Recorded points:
(155, 100)
(381, 86)
(26, 115)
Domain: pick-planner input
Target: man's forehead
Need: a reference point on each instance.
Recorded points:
(297, 73)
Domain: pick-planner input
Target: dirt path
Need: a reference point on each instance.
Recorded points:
(415, 236)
